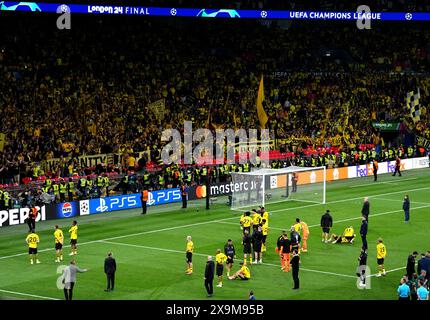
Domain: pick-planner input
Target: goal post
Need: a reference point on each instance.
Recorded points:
(265, 186)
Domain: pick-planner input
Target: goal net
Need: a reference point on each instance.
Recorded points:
(265, 186)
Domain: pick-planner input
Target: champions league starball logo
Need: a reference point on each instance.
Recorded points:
(222, 13)
(21, 6)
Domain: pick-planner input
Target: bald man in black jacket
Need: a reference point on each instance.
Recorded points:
(209, 276)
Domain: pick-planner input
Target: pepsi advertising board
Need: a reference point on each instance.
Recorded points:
(66, 210)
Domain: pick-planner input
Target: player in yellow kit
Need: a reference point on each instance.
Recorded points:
(189, 255)
(220, 258)
(256, 219)
(32, 241)
(59, 240)
(264, 214)
(265, 231)
(74, 238)
(381, 253)
(243, 273)
(246, 222)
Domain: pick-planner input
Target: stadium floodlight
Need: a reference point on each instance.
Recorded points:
(265, 186)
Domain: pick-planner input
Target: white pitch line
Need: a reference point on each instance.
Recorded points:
(343, 220)
(28, 295)
(205, 255)
(126, 236)
(373, 215)
(350, 199)
(401, 200)
(392, 270)
(397, 181)
(372, 183)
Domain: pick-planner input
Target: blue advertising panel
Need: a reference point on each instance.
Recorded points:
(66, 210)
(210, 13)
(131, 201)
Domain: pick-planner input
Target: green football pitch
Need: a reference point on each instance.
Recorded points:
(150, 250)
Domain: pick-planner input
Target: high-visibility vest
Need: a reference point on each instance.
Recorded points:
(89, 183)
(106, 181)
(83, 182)
(71, 186)
(160, 179)
(63, 188)
(144, 195)
(6, 200)
(48, 182)
(100, 181)
(56, 189)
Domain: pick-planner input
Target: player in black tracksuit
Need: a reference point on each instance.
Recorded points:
(361, 270)
(257, 241)
(247, 246)
(230, 252)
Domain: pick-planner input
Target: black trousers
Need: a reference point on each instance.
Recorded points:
(110, 280)
(397, 170)
(143, 207)
(70, 196)
(62, 197)
(209, 285)
(184, 201)
(31, 224)
(296, 279)
(364, 240)
(375, 175)
(68, 293)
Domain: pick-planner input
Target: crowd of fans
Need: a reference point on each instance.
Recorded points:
(88, 90)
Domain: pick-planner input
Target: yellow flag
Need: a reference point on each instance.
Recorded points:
(262, 116)
(2, 141)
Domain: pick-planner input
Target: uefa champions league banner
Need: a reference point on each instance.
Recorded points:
(210, 13)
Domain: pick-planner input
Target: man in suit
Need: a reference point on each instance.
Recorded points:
(110, 269)
(295, 261)
(209, 276)
(366, 209)
(363, 232)
(69, 278)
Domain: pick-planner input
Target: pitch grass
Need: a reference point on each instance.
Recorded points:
(150, 249)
